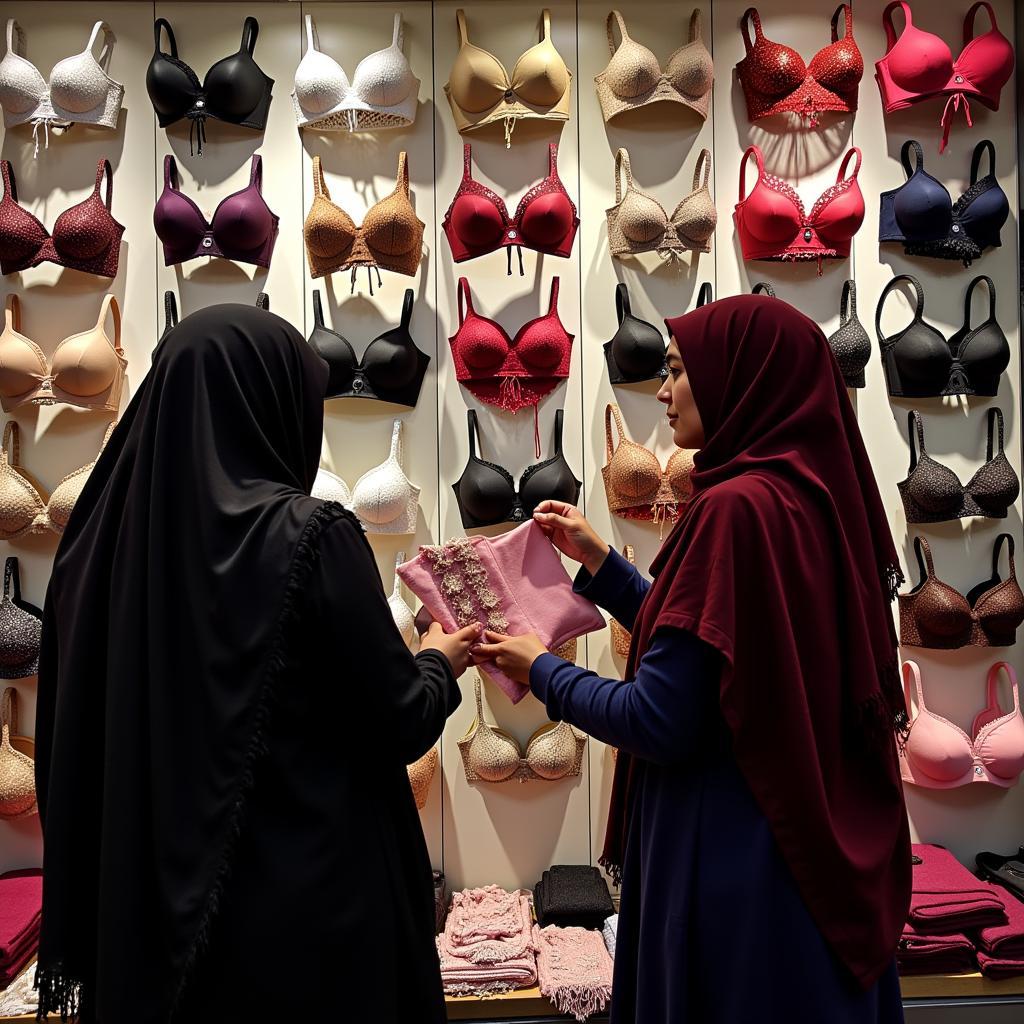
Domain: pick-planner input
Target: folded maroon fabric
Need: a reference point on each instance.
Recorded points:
(29, 941)
(992, 967)
(921, 953)
(21, 900)
(947, 898)
(1004, 941)
(9, 973)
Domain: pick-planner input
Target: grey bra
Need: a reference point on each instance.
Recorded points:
(850, 344)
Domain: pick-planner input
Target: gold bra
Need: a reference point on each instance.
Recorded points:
(421, 775)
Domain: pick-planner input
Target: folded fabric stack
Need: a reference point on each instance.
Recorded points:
(947, 898)
(611, 930)
(21, 901)
(574, 969)
(573, 896)
(1001, 946)
(920, 953)
(487, 943)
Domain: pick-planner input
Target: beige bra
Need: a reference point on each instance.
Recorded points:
(621, 637)
(421, 775)
(17, 769)
(638, 222)
(554, 751)
(633, 77)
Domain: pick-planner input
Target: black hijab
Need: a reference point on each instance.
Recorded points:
(167, 626)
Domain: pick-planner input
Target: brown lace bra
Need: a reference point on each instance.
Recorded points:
(554, 751)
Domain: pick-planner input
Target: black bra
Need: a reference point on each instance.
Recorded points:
(234, 90)
(171, 315)
(932, 493)
(487, 494)
(706, 293)
(850, 343)
(637, 350)
(922, 215)
(920, 363)
(763, 288)
(391, 370)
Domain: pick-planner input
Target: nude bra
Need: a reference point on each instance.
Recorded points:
(390, 237)
(480, 90)
(383, 92)
(489, 754)
(932, 493)
(21, 628)
(850, 343)
(922, 215)
(405, 621)
(773, 225)
(633, 77)
(24, 506)
(919, 65)
(776, 80)
(920, 362)
(486, 493)
(234, 89)
(634, 482)
(936, 615)
(638, 222)
(85, 236)
(87, 369)
(636, 351)
(938, 754)
(477, 222)
(79, 91)
(391, 370)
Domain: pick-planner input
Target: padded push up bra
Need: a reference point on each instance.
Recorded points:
(636, 351)
(234, 90)
(87, 369)
(936, 615)
(21, 629)
(486, 493)
(920, 363)
(850, 343)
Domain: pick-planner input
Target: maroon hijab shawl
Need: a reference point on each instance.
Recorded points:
(784, 562)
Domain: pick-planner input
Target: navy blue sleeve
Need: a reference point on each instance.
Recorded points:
(659, 716)
(617, 587)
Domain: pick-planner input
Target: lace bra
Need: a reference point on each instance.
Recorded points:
(938, 754)
(486, 493)
(638, 222)
(919, 65)
(24, 507)
(480, 90)
(634, 482)
(87, 369)
(922, 215)
(776, 80)
(919, 362)
(932, 493)
(935, 615)
(85, 236)
(636, 350)
(405, 621)
(79, 91)
(21, 629)
(634, 78)
(489, 754)
(477, 222)
(234, 90)
(383, 92)
(390, 237)
(850, 343)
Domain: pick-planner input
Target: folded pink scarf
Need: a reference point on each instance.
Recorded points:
(920, 953)
(1004, 941)
(488, 925)
(21, 900)
(574, 969)
(947, 898)
(461, 976)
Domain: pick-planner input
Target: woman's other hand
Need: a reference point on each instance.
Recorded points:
(454, 646)
(567, 528)
(512, 654)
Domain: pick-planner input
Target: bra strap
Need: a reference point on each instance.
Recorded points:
(696, 25)
(110, 305)
(610, 410)
(12, 444)
(705, 295)
(559, 420)
(250, 33)
(15, 38)
(478, 693)
(465, 300)
(614, 18)
(402, 181)
(763, 288)
(915, 429)
(890, 29)
(545, 21)
(992, 687)
(170, 310)
(396, 586)
(396, 442)
(553, 302)
(896, 281)
(108, 42)
(12, 578)
(972, 14)
(319, 182)
(995, 415)
(622, 167)
(104, 168)
(12, 312)
(398, 31)
(163, 23)
(848, 26)
(460, 21)
(848, 302)
(924, 557)
(991, 298)
(622, 309)
(312, 39)
(263, 301)
(407, 301)
(911, 144)
(473, 427)
(318, 309)
(750, 14)
(467, 162)
(552, 159)
(256, 172)
(171, 173)
(703, 164)
(853, 151)
(10, 185)
(912, 671)
(755, 151)
(985, 146)
(997, 548)
(9, 712)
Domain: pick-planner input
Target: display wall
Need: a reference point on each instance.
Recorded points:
(509, 833)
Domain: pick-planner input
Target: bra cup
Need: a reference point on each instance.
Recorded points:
(21, 85)
(22, 636)
(927, 66)
(320, 84)
(934, 487)
(1002, 749)
(485, 493)
(387, 82)
(19, 504)
(696, 217)
(330, 487)
(1001, 626)
(780, 75)
(388, 232)
(389, 495)
(922, 208)
(691, 71)
(540, 78)
(930, 364)
(940, 612)
(987, 353)
(632, 71)
(841, 218)
(478, 84)
(391, 360)
(494, 758)
(177, 222)
(638, 349)
(995, 486)
(546, 220)
(773, 219)
(62, 501)
(983, 218)
(338, 355)
(641, 219)
(539, 347)
(78, 84)
(329, 231)
(635, 471)
(678, 470)
(171, 88)
(242, 223)
(476, 221)
(19, 363)
(930, 751)
(552, 754)
(75, 232)
(987, 63)
(404, 619)
(85, 365)
(484, 348)
(838, 67)
(555, 480)
(23, 235)
(234, 86)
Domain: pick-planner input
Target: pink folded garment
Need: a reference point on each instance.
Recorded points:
(992, 967)
(920, 953)
(574, 969)
(514, 583)
(463, 977)
(488, 926)
(29, 941)
(947, 898)
(1004, 941)
(13, 968)
(21, 900)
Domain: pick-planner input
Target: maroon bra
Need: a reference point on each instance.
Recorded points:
(85, 237)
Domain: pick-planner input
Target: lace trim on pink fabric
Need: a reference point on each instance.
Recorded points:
(464, 584)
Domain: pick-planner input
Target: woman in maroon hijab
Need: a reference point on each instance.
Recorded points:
(757, 822)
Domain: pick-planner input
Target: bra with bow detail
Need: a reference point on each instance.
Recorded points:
(234, 90)
(638, 222)
(21, 629)
(554, 751)
(935, 615)
(87, 369)
(634, 77)
(383, 92)
(636, 351)
(85, 236)
(850, 343)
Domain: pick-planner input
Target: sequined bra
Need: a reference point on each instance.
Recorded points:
(850, 343)
(554, 751)
(21, 628)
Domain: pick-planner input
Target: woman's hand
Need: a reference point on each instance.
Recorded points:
(567, 528)
(512, 654)
(454, 646)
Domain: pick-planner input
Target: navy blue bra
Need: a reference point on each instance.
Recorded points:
(922, 215)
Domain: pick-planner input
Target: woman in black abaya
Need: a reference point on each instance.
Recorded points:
(226, 709)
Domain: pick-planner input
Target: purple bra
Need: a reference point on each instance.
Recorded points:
(242, 229)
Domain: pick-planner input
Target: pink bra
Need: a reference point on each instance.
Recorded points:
(940, 755)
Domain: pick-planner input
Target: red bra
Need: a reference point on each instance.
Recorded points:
(775, 79)
(85, 237)
(919, 65)
(477, 222)
(772, 224)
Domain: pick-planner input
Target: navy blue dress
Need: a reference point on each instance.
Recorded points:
(712, 928)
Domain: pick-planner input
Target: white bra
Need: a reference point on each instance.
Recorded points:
(383, 92)
(79, 90)
(400, 610)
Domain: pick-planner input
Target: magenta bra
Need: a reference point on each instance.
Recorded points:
(243, 227)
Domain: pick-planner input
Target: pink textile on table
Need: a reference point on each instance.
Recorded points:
(17, 962)
(946, 897)
(21, 901)
(488, 925)
(920, 953)
(1004, 941)
(574, 969)
(993, 967)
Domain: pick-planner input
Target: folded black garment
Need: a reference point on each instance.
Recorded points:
(572, 895)
(440, 901)
(1005, 871)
